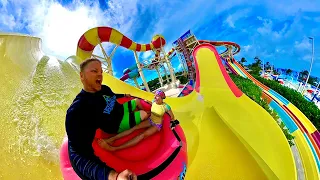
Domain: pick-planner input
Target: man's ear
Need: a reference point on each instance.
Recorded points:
(81, 75)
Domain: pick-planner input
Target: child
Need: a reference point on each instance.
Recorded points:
(153, 125)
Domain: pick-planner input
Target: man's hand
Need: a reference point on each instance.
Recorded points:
(126, 175)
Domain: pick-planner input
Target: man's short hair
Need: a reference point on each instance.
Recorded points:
(86, 62)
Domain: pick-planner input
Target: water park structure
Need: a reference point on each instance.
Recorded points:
(198, 55)
(132, 73)
(212, 142)
(155, 63)
(95, 36)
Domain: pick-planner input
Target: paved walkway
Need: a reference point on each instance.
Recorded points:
(170, 91)
(297, 159)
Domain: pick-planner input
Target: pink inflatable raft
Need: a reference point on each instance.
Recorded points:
(158, 157)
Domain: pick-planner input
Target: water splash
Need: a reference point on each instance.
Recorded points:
(40, 107)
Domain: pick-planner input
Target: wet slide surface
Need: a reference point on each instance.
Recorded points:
(221, 144)
(35, 92)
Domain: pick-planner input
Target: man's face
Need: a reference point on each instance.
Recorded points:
(91, 76)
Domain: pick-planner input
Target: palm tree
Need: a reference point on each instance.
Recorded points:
(288, 72)
(267, 66)
(243, 60)
(303, 74)
(257, 61)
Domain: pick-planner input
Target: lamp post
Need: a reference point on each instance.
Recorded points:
(310, 64)
(315, 93)
(263, 67)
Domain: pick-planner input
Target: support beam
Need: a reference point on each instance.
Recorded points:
(182, 62)
(113, 51)
(107, 58)
(99, 57)
(159, 75)
(165, 72)
(173, 78)
(140, 71)
(136, 82)
(309, 72)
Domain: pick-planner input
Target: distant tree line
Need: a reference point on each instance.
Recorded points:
(257, 66)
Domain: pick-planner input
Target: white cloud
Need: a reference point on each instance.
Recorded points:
(317, 19)
(167, 48)
(230, 21)
(180, 15)
(267, 26)
(233, 18)
(289, 7)
(280, 50)
(247, 47)
(267, 29)
(8, 20)
(307, 57)
(61, 27)
(305, 44)
(4, 2)
(281, 32)
(146, 55)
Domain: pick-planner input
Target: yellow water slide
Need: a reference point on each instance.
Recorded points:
(228, 135)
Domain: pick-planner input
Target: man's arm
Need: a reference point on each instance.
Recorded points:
(74, 124)
(76, 131)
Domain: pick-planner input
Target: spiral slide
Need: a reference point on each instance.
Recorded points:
(90, 39)
(244, 144)
(130, 72)
(229, 46)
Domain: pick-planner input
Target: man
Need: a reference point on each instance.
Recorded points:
(96, 107)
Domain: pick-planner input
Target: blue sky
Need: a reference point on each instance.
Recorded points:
(276, 31)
